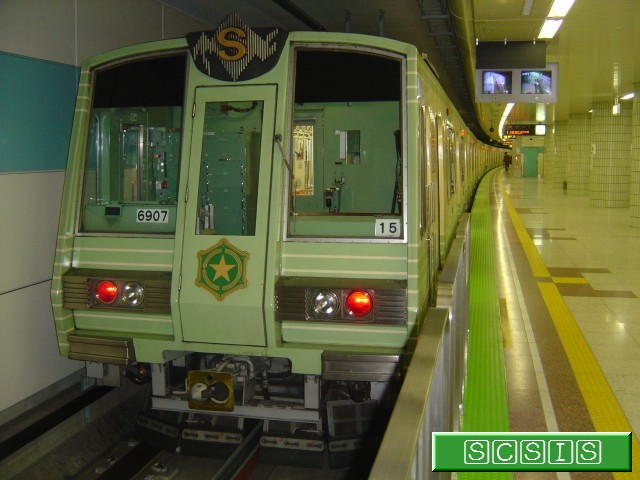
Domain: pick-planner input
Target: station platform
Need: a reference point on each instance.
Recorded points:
(568, 285)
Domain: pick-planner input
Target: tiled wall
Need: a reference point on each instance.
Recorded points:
(610, 174)
(579, 154)
(634, 198)
(560, 161)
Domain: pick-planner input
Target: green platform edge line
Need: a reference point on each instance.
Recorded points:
(485, 395)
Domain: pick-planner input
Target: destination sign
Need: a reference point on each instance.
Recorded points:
(511, 131)
(520, 130)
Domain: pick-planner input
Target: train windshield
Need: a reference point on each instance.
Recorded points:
(346, 166)
(131, 174)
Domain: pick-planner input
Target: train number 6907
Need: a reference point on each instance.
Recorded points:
(152, 215)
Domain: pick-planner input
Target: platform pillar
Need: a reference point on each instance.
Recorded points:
(549, 154)
(611, 141)
(634, 198)
(561, 137)
(579, 154)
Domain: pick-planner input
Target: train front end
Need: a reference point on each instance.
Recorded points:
(235, 230)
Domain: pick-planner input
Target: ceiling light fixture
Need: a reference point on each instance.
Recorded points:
(560, 8)
(628, 96)
(527, 5)
(550, 27)
(505, 114)
(558, 11)
(541, 112)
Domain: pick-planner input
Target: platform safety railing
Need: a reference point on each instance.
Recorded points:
(431, 396)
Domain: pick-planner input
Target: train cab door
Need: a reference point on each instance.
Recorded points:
(227, 209)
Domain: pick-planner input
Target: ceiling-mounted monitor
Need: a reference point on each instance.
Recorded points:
(534, 82)
(496, 82)
(518, 85)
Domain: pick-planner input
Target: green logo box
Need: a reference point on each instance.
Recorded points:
(531, 452)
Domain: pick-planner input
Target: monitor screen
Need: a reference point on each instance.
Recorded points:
(535, 82)
(496, 82)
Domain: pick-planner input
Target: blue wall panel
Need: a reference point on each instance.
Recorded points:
(37, 99)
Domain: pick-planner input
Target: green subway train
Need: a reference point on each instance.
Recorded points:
(253, 223)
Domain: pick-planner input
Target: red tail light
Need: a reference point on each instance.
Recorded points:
(106, 292)
(359, 303)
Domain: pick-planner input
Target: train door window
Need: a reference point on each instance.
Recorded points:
(229, 165)
(133, 155)
(424, 174)
(450, 157)
(348, 161)
(463, 158)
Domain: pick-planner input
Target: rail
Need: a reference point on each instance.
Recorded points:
(431, 396)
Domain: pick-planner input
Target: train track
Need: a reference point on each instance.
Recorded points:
(90, 435)
(139, 461)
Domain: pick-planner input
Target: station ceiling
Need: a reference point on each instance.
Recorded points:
(597, 46)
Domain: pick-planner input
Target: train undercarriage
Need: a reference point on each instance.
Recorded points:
(209, 404)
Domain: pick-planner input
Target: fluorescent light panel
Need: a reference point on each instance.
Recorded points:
(549, 28)
(541, 112)
(560, 8)
(527, 5)
(628, 96)
(505, 115)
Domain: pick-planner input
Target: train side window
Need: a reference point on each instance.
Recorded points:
(133, 155)
(348, 103)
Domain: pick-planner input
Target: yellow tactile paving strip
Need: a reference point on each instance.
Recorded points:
(604, 409)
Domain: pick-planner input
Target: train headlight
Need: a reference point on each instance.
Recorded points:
(133, 293)
(358, 303)
(106, 292)
(325, 302)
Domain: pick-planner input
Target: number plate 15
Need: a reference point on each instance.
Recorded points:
(152, 215)
(388, 227)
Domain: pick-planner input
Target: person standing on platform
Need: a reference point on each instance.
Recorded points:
(506, 161)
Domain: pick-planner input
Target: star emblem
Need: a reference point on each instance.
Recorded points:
(222, 269)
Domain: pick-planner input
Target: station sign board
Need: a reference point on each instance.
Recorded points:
(517, 130)
(513, 131)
